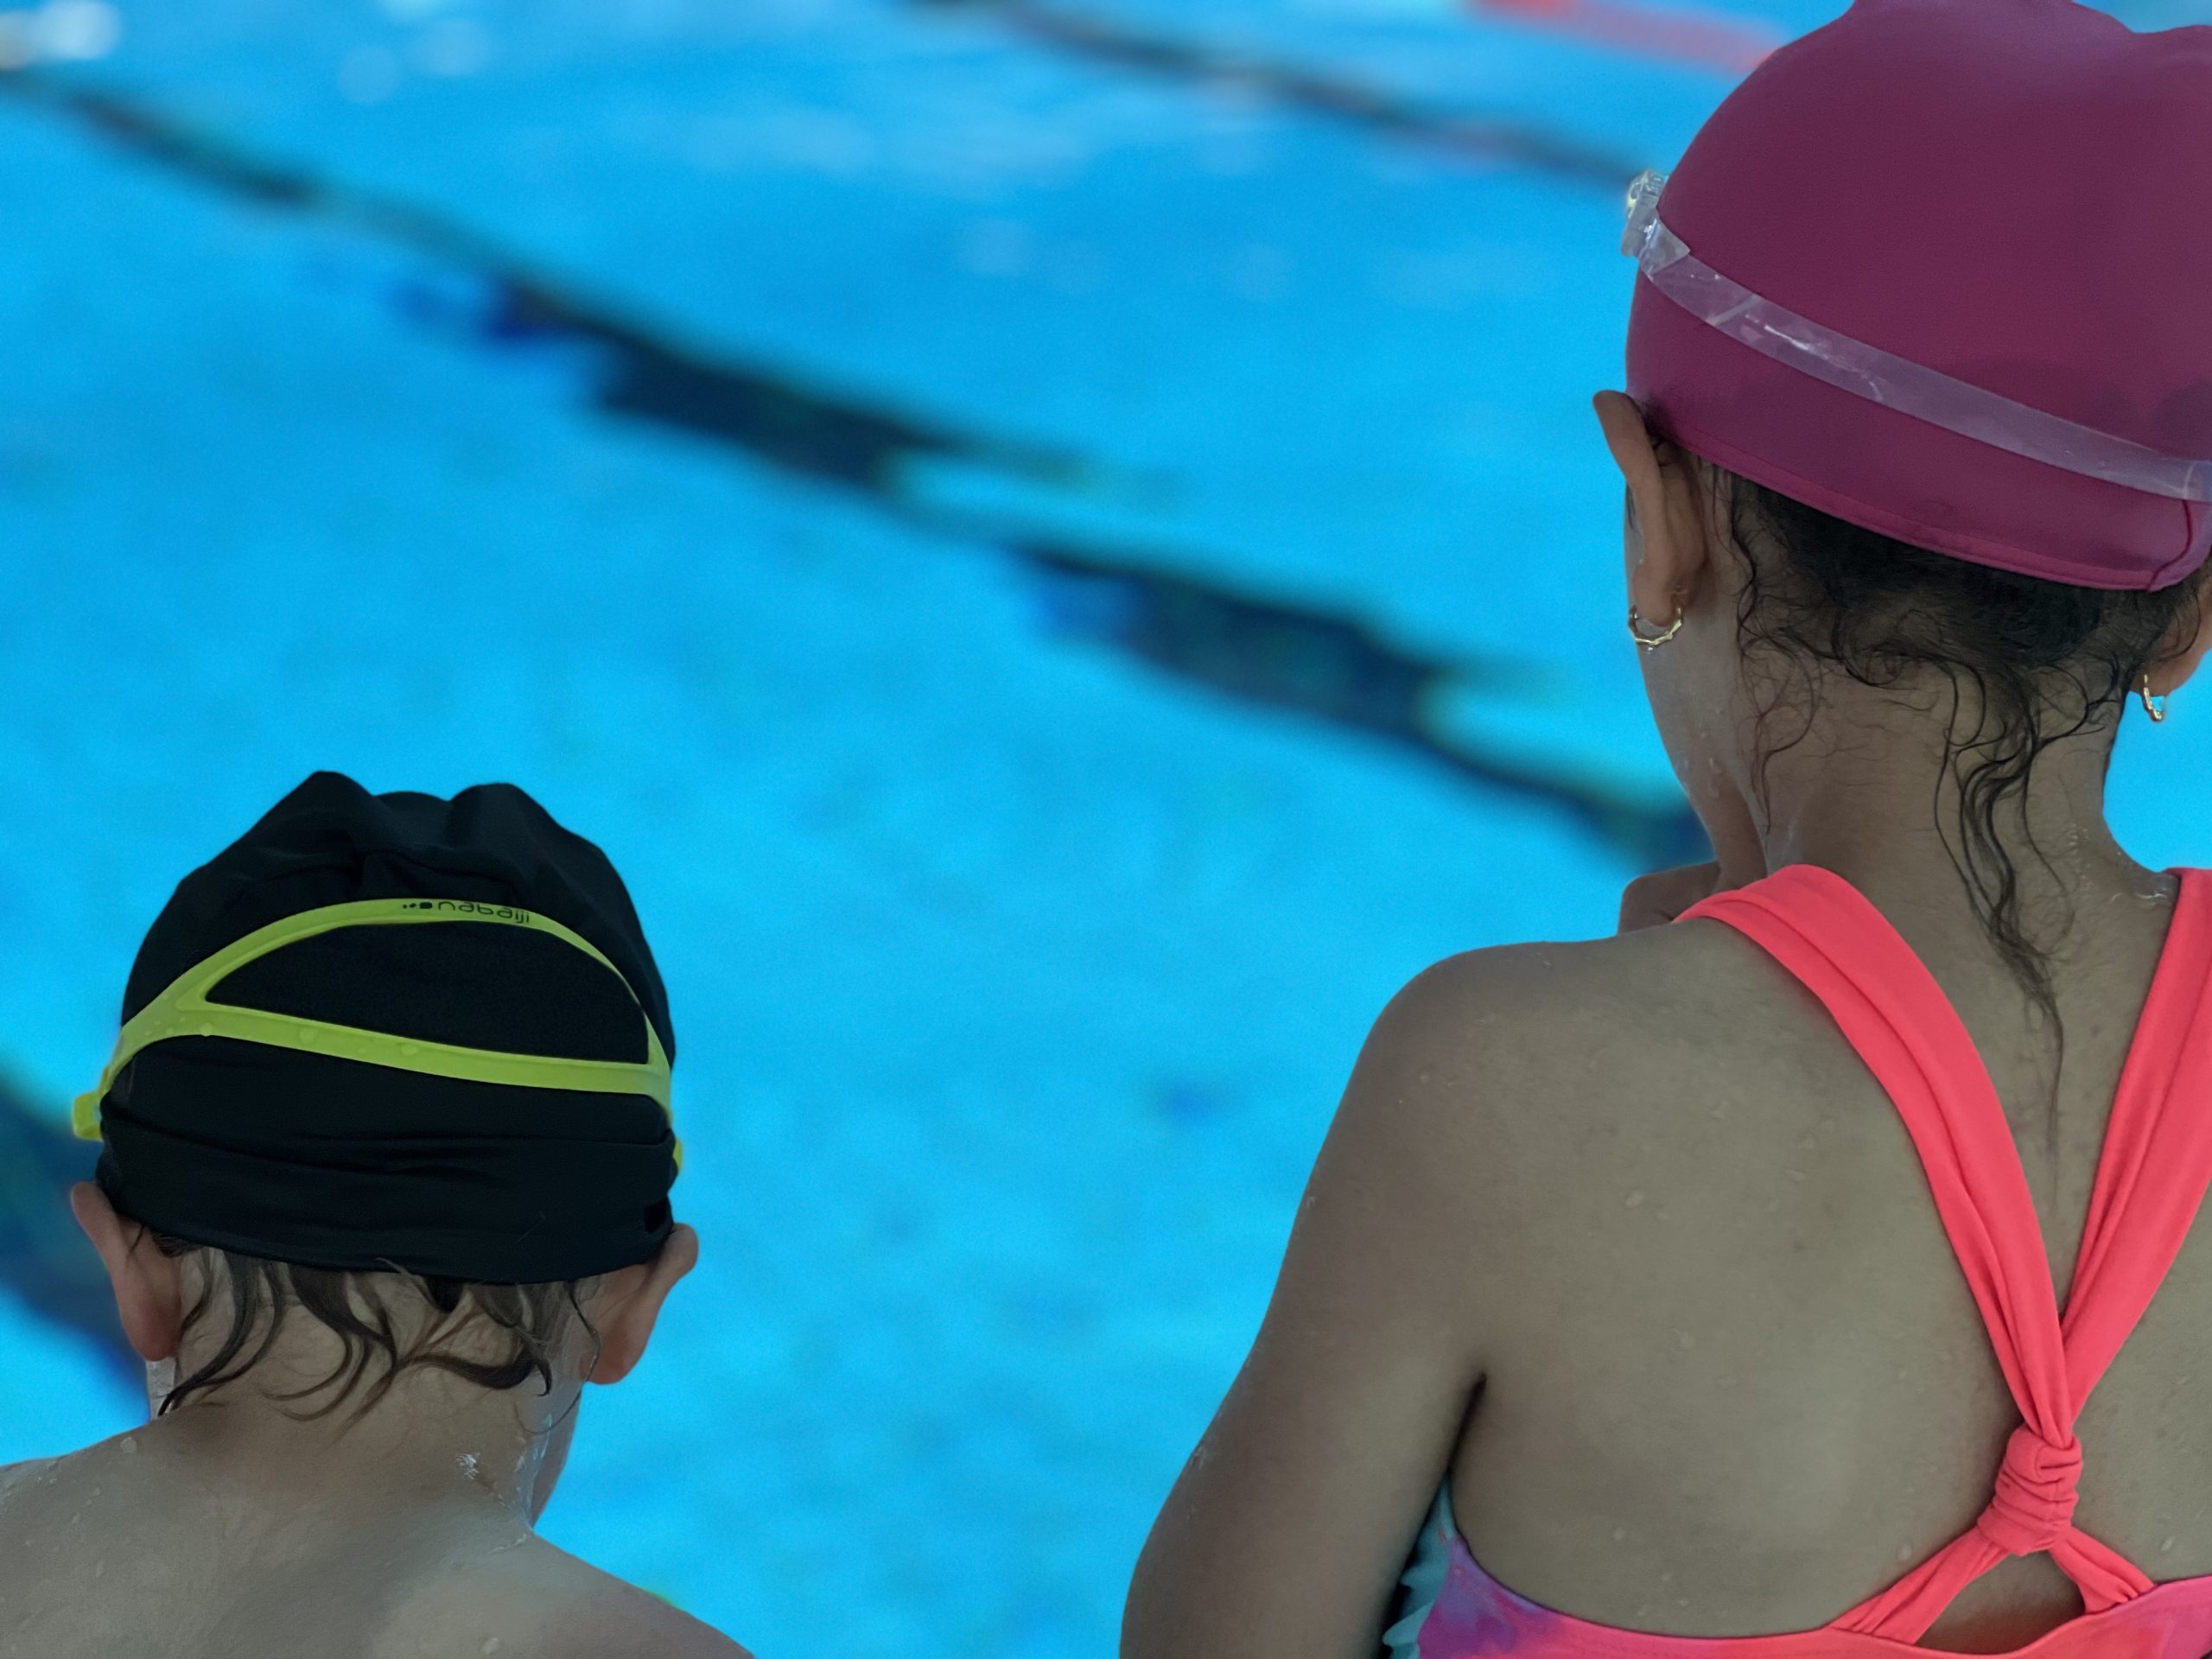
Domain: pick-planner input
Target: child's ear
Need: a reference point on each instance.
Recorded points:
(1666, 546)
(633, 1300)
(149, 1296)
(2170, 671)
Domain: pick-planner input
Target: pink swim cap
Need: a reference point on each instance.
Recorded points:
(2012, 195)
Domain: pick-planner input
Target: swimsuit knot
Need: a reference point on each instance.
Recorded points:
(2033, 1506)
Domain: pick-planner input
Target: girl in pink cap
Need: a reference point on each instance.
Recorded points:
(1813, 1269)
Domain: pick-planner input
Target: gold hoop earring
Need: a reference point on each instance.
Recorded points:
(1654, 642)
(2156, 710)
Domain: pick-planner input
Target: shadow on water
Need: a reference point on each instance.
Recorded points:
(1297, 88)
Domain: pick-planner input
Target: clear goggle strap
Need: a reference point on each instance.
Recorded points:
(183, 1010)
(1881, 378)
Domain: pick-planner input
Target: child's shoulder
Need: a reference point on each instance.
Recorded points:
(14, 1477)
(1518, 1056)
(539, 1599)
(1546, 998)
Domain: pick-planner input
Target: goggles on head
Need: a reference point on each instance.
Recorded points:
(1880, 376)
(183, 1010)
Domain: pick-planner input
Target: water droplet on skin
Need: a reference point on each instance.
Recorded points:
(1905, 1552)
(1634, 1199)
(492, 1645)
(2164, 1547)
(1619, 1533)
(129, 1444)
(99, 1568)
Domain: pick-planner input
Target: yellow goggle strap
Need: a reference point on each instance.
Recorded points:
(183, 1010)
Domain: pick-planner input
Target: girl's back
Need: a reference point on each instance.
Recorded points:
(1710, 1277)
(1737, 1382)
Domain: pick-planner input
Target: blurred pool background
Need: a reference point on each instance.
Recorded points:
(1059, 544)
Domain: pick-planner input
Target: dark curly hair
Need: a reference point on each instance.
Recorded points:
(2048, 662)
(533, 1316)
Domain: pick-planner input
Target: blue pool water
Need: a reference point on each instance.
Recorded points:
(1061, 577)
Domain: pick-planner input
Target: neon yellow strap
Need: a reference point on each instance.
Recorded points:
(183, 1010)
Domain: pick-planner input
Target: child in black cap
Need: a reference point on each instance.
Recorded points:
(403, 1062)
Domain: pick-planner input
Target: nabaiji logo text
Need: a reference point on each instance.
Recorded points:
(470, 907)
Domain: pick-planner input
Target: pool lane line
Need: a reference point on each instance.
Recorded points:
(1210, 66)
(785, 420)
(1260, 649)
(1705, 39)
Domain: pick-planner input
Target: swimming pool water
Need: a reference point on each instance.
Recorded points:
(1061, 580)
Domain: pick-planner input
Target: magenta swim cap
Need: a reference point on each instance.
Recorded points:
(1995, 211)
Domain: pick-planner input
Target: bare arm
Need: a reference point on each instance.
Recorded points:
(1289, 1528)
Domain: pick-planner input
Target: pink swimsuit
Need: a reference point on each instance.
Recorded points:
(2155, 1164)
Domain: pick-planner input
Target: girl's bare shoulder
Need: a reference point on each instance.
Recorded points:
(1545, 1002)
(1555, 1057)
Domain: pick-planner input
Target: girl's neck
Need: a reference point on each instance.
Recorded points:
(1876, 805)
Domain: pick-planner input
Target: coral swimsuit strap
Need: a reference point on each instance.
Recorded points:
(2151, 1176)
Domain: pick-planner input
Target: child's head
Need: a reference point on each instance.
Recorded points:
(371, 1139)
(1920, 361)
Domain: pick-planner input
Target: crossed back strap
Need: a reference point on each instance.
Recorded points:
(2151, 1175)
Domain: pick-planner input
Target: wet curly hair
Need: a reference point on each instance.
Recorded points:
(2047, 662)
(536, 1319)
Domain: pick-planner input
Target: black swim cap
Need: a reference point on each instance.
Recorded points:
(331, 1162)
